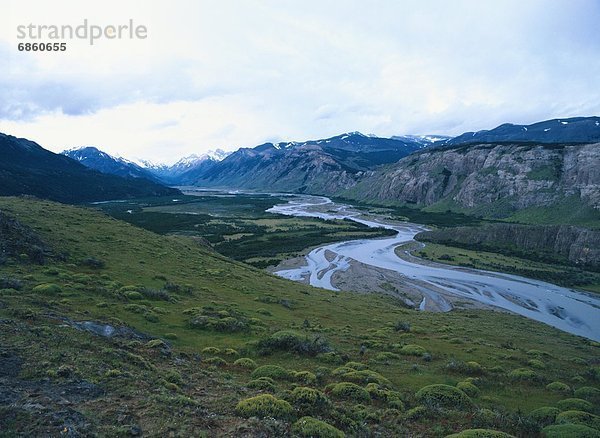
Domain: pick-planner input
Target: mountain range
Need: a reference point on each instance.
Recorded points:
(28, 169)
(491, 173)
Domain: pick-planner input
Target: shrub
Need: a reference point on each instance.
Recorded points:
(523, 374)
(579, 417)
(468, 388)
(265, 405)
(570, 431)
(305, 377)
(220, 320)
(330, 357)
(412, 350)
(47, 289)
(310, 400)
(172, 336)
(211, 350)
(216, 361)
(273, 371)
(156, 343)
(545, 415)
(402, 326)
(473, 368)
(435, 396)
(151, 317)
(313, 428)
(264, 384)
(134, 295)
(480, 433)
(576, 404)
(356, 366)
(366, 376)
(340, 371)
(350, 391)
(416, 413)
(558, 387)
(589, 393)
(536, 363)
(245, 362)
(93, 262)
(391, 398)
(386, 356)
(287, 340)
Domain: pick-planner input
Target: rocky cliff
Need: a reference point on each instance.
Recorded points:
(489, 179)
(557, 243)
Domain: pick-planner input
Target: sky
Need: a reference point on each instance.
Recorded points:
(229, 74)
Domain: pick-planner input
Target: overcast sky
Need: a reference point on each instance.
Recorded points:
(226, 74)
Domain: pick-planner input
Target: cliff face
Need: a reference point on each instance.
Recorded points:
(506, 177)
(316, 166)
(576, 245)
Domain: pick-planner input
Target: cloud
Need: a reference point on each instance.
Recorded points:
(218, 74)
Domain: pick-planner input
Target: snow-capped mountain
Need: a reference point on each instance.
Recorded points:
(425, 140)
(568, 130)
(94, 158)
(187, 169)
(312, 166)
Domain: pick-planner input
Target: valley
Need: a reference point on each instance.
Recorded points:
(190, 339)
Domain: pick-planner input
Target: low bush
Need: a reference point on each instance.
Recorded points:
(272, 371)
(245, 362)
(47, 289)
(309, 400)
(439, 395)
(416, 413)
(263, 383)
(480, 433)
(287, 340)
(265, 405)
(545, 415)
(310, 427)
(93, 262)
(523, 374)
(216, 361)
(579, 417)
(468, 388)
(366, 376)
(588, 393)
(386, 356)
(569, 431)
(356, 366)
(350, 391)
(558, 387)
(305, 377)
(412, 350)
(536, 363)
(391, 398)
(577, 404)
(211, 350)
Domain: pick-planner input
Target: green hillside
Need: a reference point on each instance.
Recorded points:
(206, 346)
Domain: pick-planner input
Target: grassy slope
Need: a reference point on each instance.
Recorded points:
(499, 342)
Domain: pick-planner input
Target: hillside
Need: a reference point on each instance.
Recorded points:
(123, 332)
(530, 182)
(316, 166)
(28, 169)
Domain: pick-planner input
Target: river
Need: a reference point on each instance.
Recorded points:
(566, 309)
